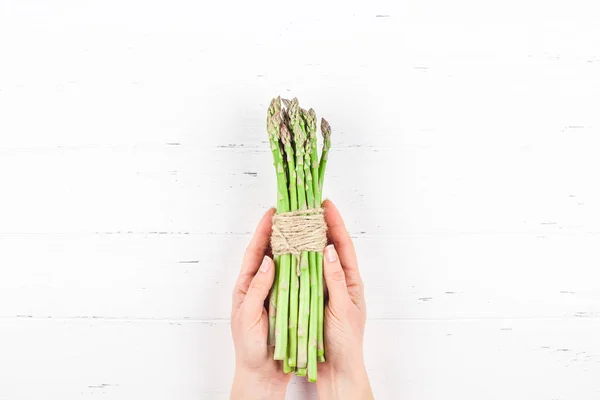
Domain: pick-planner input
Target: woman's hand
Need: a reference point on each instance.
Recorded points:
(343, 375)
(257, 375)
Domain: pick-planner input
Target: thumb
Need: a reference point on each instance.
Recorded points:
(260, 285)
(334, 277)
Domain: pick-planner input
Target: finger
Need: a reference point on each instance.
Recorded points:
(253, 257)
(259, 287)
(342, 241)
(335, 278)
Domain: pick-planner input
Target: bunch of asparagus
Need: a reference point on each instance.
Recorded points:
(296, 303)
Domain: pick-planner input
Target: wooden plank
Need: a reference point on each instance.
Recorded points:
(385, 73)
(173, 189)
(160, 277)
(421, 360)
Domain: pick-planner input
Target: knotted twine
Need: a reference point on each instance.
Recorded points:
(298, 231)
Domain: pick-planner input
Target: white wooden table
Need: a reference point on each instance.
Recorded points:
(134, 166)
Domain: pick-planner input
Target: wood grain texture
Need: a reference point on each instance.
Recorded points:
(134, 165)
(420, 360)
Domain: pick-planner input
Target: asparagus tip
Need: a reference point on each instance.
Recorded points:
(311, 122)
(286, 136)
(278, 104)
(270, 125)
(325, 127)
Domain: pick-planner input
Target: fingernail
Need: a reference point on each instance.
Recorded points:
(330, 253)
(266, 264)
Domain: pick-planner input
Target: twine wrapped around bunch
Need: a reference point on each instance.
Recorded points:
(298, 231)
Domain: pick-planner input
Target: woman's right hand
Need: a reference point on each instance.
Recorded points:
(343, 375)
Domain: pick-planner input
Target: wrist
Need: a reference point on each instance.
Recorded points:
(347, 385)
(252, 385)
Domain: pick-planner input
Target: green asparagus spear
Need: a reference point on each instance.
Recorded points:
(273, 302)
(314, 319)
(320, 309)
(273, 110)
(283, 205)
(312, 262)
(299, 138)
(311, 124)
(294, 284)
(326, 132)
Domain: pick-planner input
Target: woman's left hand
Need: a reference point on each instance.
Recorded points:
(257, 375)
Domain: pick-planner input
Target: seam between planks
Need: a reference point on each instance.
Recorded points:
(227, 320)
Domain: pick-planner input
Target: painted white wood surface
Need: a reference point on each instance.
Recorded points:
(133, 167)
